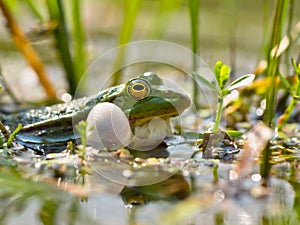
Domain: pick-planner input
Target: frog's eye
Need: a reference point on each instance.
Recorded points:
(138, 89)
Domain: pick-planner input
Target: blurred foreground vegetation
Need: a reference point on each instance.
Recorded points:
(59, 39)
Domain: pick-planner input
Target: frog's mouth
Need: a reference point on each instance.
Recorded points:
(146, 109)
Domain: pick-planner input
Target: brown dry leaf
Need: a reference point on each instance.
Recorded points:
(257, 139)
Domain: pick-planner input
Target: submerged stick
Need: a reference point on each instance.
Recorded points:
(27, 50)
(4, 131)
(257, 140)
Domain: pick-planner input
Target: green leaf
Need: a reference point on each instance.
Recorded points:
(33, 6)
(192, 135)
(225, 92)
(14, 133)
(242, 81)
(0, 88)
(285, 83)
(234, 133)
(81, 128)
(130, 14)
(224, 75)
(78, 35)
(206, 83)
(296, 68)
(218, 67)
(296, 97)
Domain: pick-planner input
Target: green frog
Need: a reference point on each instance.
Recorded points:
(50, 128)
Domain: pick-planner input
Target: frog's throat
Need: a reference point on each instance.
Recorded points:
(142, 121)
(151, 134)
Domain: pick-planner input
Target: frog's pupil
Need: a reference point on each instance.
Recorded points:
(138, 87)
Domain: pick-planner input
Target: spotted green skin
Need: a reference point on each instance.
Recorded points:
(50, 128)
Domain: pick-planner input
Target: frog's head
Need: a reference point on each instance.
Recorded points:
(146, 97)
(138, 113)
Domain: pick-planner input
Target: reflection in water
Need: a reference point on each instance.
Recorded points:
(172, 189)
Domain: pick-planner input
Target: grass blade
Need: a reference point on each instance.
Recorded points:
(194, 21)
(61, 35)
(242, 81)
(131, 10)
(27, 50)
(79, 40)
(205, 82)
(33, 8)
(166, 7)
(273, 61)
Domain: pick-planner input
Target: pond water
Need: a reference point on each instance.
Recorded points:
(117, 189)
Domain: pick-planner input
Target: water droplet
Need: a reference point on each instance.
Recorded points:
(256, 177)
(259, 111)
(233, 175)
(66, 97)
(219, 195)
(263, 104)
(127, 173)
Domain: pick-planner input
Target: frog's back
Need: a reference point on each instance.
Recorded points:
(50, 128)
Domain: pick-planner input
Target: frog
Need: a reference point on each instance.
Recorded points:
(50, 128)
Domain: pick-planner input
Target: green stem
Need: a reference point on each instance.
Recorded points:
(289, 29)
(79, 40)
(162, 17)
(61, 35)
(33, 8)
(273, 62)
(286, 115)
(194, 21)
(14, 133)
(131, 10)
(288, 111)
(215, 173)
(219, 115)
(265, 165)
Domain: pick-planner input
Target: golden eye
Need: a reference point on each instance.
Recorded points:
(138, 89)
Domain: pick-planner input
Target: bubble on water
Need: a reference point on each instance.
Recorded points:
(256, 177)
(219, 195)
(66, 97)
(233, 175)
(127, 173)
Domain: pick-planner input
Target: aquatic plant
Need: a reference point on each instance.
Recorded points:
(295, 96)
(131, 11)
(222, 74)
(273, 60)
(13, 134)
(194, 23)
(81, 127)
(25, 47)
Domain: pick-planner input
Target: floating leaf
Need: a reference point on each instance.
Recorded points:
(193, 135)
(206, 82)
(234, 133)
(242, 81)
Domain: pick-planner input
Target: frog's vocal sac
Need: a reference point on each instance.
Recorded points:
(141, 99)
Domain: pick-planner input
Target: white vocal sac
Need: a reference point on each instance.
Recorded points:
(108, 127)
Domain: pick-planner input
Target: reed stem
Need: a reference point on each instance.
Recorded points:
(27, 50)
(194, 23)
(273, 61)
(57, 14)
